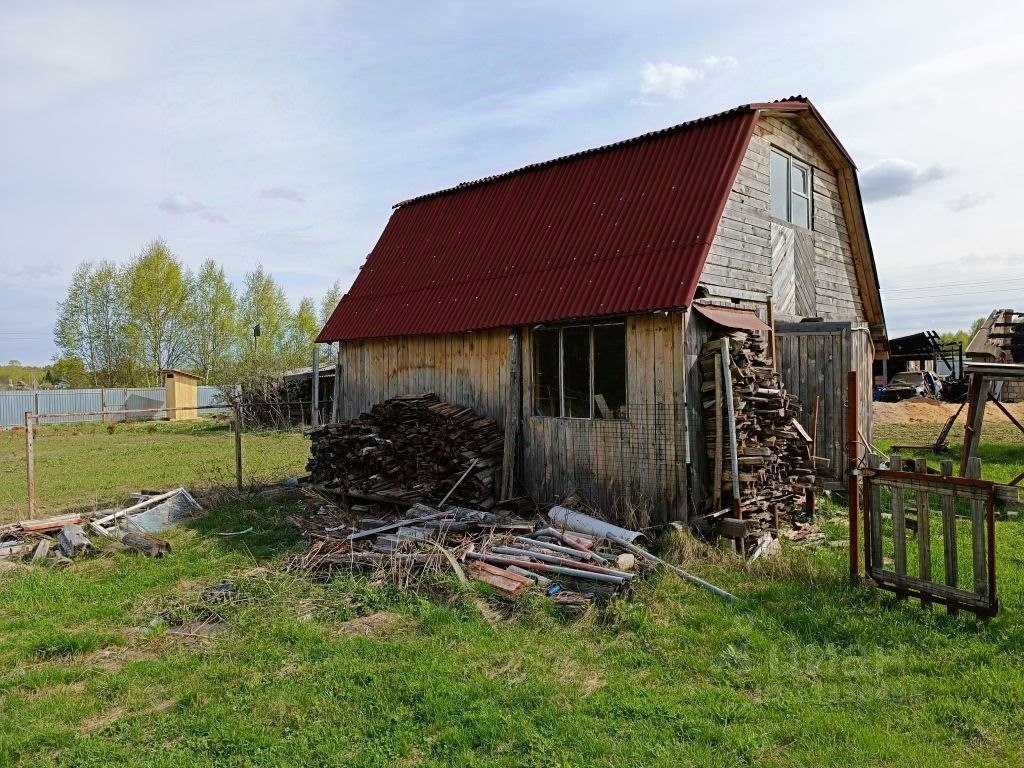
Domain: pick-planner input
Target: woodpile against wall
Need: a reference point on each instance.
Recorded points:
(411, 449)
(771, 448)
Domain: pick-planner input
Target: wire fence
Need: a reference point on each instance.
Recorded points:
(90, 465)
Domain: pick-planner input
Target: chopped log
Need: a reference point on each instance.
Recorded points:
(411, 449)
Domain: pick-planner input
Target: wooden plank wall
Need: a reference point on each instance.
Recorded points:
(739, 264)
(639, 460)
(469, 369)
(814, 362)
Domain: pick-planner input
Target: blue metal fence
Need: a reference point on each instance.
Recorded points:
(117, 403)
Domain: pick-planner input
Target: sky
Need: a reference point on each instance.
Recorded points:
(280, 132)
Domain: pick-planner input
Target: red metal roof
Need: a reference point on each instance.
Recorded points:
(614, 230)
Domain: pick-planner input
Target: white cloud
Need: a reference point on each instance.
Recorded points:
(898, 178)
(968, 200)
(673, 81)
(181, 204)
(282, 193)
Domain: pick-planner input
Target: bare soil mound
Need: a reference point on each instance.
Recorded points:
(918, 410)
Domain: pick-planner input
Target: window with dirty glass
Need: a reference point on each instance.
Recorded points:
(547, 388)
(580, 371)
(610, 371)
(790, 186)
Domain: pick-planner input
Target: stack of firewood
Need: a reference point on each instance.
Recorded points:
(411, 449)
(773, 449)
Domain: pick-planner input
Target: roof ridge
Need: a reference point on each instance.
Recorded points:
(672, 129)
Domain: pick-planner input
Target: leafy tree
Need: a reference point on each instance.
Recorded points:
(92, 324)
(962, 335)
(159, 321)
(213, 314)
(69, 369)
(302, 330)
(329, 302)
(262, 303)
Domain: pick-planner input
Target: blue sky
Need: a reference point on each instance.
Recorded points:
(282, 132)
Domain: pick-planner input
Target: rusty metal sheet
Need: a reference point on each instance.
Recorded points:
(744, 319)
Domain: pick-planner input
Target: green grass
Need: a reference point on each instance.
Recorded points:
(805, 670)
(1001, 450)
(91, 465)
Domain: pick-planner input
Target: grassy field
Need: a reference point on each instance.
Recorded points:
(805, 670)
(92, 465)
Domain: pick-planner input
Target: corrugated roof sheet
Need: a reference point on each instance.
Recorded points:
(618, 229)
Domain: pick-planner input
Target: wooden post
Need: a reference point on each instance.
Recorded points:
(924, 530)
(238, 447)
(949, 553)
(30, 458)
(336, 405)
(853, 480)
(513, 415)
(716, 491)
(733, 450)
(975, 418)
(314, 417)
(979, 530)
(103, 404)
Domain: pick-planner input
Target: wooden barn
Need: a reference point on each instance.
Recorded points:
(569, 299)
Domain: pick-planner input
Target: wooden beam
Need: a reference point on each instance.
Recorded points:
(976, 396)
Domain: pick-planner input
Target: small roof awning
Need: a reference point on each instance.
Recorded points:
(727, 317)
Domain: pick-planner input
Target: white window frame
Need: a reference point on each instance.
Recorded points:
(790, 191)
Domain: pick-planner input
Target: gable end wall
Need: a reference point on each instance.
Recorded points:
(739, 261)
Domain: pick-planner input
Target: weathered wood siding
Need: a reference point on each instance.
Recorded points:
(814, 360)
(740, 264)
(469, 369)
(635, 463)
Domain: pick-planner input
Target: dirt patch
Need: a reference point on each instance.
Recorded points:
(376, 625)
(921, 410)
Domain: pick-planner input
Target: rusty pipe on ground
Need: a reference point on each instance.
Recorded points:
(528, 565)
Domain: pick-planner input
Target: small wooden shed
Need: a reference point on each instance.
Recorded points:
(569, 300)
(182, 394)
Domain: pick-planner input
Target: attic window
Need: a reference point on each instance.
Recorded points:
(790, 189)
(579, 371)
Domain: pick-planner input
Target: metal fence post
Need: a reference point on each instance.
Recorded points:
(30, 457)
(238, 447)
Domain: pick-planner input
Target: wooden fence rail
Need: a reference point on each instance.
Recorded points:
(900, 505)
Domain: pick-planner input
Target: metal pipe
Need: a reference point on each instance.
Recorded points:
(675, 569)
(581, 523)
(545, 568)
(562, 561)
(569, 542)
(573, 553)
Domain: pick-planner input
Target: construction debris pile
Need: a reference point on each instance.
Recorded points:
(568, 556)
(772, 450)
(410, 449)
(58, 540)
